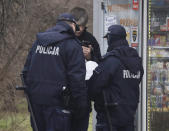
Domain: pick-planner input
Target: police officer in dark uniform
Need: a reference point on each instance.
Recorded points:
(56, 65)
(114, 86)
(89, 44)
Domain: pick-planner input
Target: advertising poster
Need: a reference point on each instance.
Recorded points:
(135, 4)
(134, 36)
(109, 20)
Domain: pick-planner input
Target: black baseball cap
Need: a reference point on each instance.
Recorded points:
(66, 17)
(116, 31)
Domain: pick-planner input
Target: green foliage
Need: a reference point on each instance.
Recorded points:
(20, 119)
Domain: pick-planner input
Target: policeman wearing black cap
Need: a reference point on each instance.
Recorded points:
(114, 86)
(55, 76)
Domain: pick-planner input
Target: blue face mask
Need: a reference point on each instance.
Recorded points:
(111, 38)
(109, 41)
(115, 41)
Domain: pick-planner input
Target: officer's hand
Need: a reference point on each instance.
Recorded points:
(87, 52)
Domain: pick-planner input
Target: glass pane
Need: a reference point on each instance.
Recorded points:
(158, 66)
(125, 13)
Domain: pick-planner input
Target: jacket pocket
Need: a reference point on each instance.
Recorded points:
(58, 119)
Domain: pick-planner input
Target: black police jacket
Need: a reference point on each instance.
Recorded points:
(86, 39)
(118, 75)
(55, 60)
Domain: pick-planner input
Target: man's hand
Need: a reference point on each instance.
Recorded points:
(87, 52)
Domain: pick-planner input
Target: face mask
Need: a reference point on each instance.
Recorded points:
(109, 41)
(77, 28)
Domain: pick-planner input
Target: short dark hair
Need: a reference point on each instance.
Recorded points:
(80, 15)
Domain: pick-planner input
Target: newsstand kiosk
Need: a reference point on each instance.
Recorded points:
(147, 26)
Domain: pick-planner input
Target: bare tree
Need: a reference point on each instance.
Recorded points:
(20, 20)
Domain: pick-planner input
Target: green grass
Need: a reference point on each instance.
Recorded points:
(20, 120)
(15, 122)
(90, 123)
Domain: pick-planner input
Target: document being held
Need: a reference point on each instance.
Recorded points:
(90, 66)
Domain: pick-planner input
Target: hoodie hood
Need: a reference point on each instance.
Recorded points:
(128, 57)
(56, 34)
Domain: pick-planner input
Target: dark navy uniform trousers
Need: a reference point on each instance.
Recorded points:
(50, 118)
(105, 127)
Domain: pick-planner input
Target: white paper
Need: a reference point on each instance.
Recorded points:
(90, 66)
(110, 20)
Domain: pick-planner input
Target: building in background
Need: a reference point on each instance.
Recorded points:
(147, 26)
